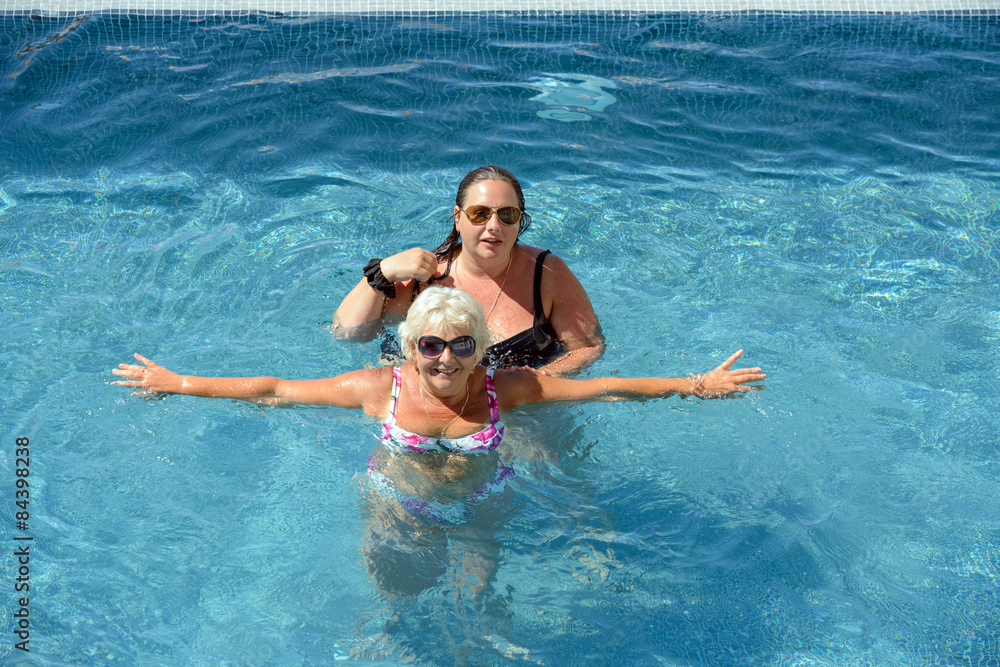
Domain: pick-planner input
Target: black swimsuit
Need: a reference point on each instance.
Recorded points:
(532, 347)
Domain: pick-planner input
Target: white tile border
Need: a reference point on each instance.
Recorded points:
(59, 7)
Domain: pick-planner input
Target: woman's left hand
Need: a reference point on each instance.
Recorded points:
(151, 378)
(723, 380)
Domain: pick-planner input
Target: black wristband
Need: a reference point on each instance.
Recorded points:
(373, 272)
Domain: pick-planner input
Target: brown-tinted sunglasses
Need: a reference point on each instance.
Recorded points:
(480, 215)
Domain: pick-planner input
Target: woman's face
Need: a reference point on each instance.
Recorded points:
(493, 240)
(447, 374)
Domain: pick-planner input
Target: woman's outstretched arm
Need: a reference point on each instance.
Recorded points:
(349, 390)
(520, 388)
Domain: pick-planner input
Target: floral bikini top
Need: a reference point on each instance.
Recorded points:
(480, 442)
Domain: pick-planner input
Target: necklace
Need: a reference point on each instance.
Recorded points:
(423, 401)
(506, 272)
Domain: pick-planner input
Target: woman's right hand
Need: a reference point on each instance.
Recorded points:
(416, 263)
(359, 316)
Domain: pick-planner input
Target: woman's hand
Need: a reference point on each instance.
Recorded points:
(415, 263)
(150, 378)
(722, 381)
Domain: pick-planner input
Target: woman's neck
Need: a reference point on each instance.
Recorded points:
(478, 270)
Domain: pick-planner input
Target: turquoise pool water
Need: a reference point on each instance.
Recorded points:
(819, 190)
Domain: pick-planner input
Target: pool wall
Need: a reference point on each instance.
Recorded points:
(54, 7)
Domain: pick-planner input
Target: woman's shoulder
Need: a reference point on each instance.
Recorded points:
(531, 251)
(368, 378)
(515, 387)
(552, 262)
(558, 282)
(375, 387)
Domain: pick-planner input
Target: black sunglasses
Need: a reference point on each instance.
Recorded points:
(433, 347)
(480, 215)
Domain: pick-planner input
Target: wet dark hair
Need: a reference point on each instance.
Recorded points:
(490, 172)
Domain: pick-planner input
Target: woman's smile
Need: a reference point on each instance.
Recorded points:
(446, 374)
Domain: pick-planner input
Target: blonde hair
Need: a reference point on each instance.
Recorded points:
(440, 307)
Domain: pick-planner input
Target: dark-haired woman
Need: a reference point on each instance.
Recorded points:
(537, 312)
